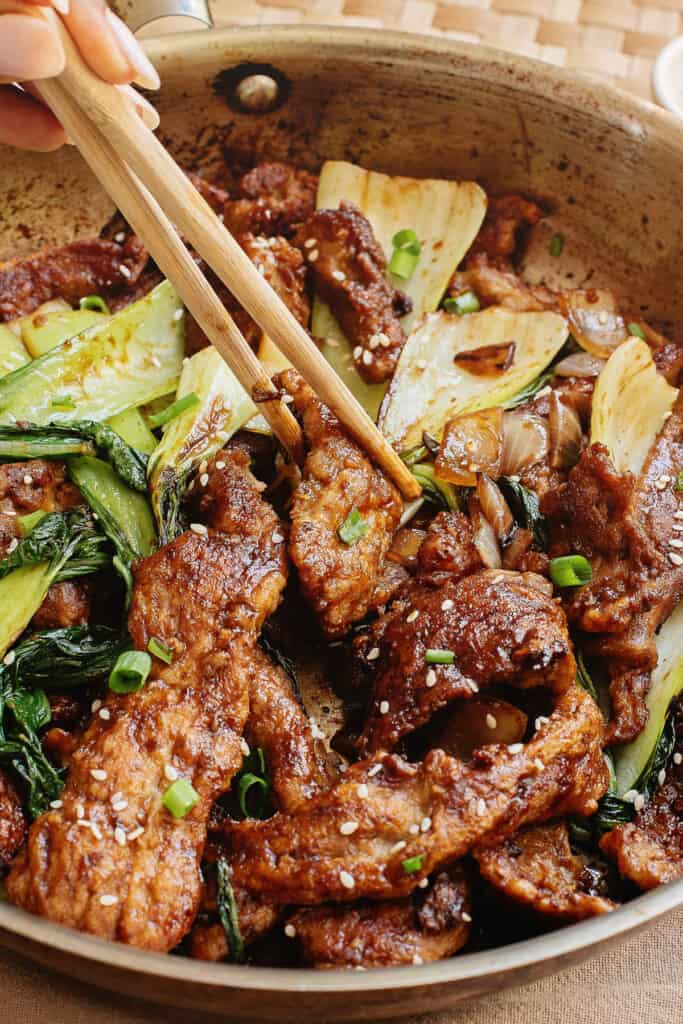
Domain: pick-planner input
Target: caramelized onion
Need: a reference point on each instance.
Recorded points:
(487, 360)
(579, 364)
(478, 722)
(564, 430)
(594, 320)
(525, 441)
(485, 540)
(495, 507)
(472, 444)
(405, 546)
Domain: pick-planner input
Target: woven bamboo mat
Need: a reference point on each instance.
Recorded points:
(613, 38)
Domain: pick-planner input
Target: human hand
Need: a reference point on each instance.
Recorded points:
(30, 49)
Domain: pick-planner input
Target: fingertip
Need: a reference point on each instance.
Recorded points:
(27, 124)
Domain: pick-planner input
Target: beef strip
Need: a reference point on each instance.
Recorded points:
(69, 272)
(342, 844)
(12, 821)
(349, 273)
(624, 527)
(339, 580)
(496, 287)
(429, 925)
(506, 219)
(649, 850)
(283, 268)
(536, 867)
(447, 552)
(501, 627)
(112, 860)
(274, 199)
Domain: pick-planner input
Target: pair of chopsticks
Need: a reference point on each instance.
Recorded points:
(153, 194)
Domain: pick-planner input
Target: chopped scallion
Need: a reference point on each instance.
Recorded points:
(570, 571)
(130, 672)
(96, 303)
(437, 656)
(353, 528)
(252, 789)
(406, 253)
(637, 331)
(461, 304)
(158, 649)
(63, 402)
(180, 798)
(412, 864)
(415, 455)
(30, 521)
(171, 412)
(556, 245)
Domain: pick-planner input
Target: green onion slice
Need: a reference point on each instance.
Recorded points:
(637, 331)
(556, 245)
(180, 798)
(63, 402)
(438, 656)
(160, 650)
(406, 253)
(461, 304)
(415, 455)
(96, 303)
(252, 795)
(130, 672)
(353, 528)
(171, 412)
(412, 864)
(29, 522)
(570, 571)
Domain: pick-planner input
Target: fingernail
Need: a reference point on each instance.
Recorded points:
(142, 107)
(29, 48)
(145, 72)
(61, 5)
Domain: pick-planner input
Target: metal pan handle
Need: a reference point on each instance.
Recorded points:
(137, 13)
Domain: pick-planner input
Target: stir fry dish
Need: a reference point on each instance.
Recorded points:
(264, 713)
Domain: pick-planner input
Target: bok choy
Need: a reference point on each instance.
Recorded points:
(73, 656)
(129, 359)
(444, 215)
(23, 714)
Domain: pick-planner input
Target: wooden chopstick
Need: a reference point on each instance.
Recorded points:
(122, 132)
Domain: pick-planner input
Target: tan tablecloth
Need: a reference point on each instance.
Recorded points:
(639, 983)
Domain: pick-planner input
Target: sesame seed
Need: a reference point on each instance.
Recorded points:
(466, 917)
(481, 807)
(367, 358)
(397, 847)
(95, 706)
(199, 529)
(675, 559)
(120, 805)
(220, 465)
(414, 829)
(413, 615)
(339, 275)
(116, 796)
(447, 604)
(278, 538)
(423, 883)
(347, 880)
(313, 255)
(661, 778)
(383, 707)
(204, 479)
(55, 804)
(80, 811)
(678, 514)
(362, 791)
(120, 836)
(491, 721)
(373, 654)
(203, 466)
(120, 236)
(178, 315)
(675, 543)
(290, 931)
(347, 828)
(417, 959)
(9, 658)
(515, 748)
(28, 479)
(473, 686)
(639, 803)
(170, 772)
(155, 361)
(678, 758)
(678, 527)
(104, 714)
(425, 824)
(375, 770)
(374, 342)
(541, 721)
(421, 364)
(244, 747)
(357, 352)
(12, 546)
(630, 796)
(108, 901)
(135, 834)
(98, 774)
(430, 678)
(602, 317)
(124, 270)
(309, 243)
(95, 830)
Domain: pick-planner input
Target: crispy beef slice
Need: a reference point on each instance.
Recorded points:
(494, 286)
(274, 199)
(429, 925)
(507, 218)
(349, 273)
(536, 867)
(649, 850)
(12, 821)
(501, 628)
(447, 552)
(69, 272)
(112, 860)
(339, 580)
(440, 808)
(66, 604)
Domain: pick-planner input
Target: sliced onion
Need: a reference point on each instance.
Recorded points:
(487, 360)
(472, 444)
(594, 320)
(484, 537)
(405, 546)
(579, 364)
(525, 441)
(495, 507)
(565, 436)
(479, 722)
